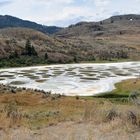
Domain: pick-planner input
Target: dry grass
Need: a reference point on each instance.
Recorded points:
(128, 86)
(39, 111)
(31, 115)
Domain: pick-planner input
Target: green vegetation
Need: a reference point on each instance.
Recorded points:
(96, 42)
(17, 83)
(123, 89)
(34, 60)
(36, 111)
(46, 56)
(121, 94)
(29, 49)
(14, 55)
(45, 109)
(22, 61)
(28, 57)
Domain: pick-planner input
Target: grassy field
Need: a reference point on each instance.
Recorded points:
(126, 87)
(121, 93)
(36, 61)
(107, 61)
(38, 109)
(35, 111)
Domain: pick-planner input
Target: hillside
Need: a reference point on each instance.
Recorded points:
(125, 24)
(112, 39)
(111, 34)
(10, 21)
(13, 40)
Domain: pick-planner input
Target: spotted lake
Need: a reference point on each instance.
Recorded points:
(71, 79)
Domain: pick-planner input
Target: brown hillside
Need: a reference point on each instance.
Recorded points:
(14, 39)
(113, 38)
(111, 34)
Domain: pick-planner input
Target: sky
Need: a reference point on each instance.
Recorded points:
(66, 12)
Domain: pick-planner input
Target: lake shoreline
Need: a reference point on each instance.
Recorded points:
(71, 79)
(82, 62)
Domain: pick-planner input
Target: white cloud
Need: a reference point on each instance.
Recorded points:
(4, 2)
(66, 12)
(102, 2)
(51, 2)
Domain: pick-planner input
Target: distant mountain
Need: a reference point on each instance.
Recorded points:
(10, 21)
(126, 17)
(124, 24)
(105, 38)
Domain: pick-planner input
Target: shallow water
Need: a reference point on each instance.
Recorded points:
(71, 79)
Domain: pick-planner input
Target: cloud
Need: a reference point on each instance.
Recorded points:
(66, 12)
(51, 2)
(5, 2)
(102, 2)
(116, 13)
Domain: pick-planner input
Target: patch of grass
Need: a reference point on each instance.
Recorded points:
(28, 71)
(33, 77)
(122, 91)
(22, 61)
(38, 111)
(126, 87)
(40, 73)
(7, 76)
(46, 76)
(2, 79)
(120, 94)
(17, 83)
(44, 71)
(27, 74)
(88, 74)
(107, 61)
(57, 73)
(71, 73)
(89, 78)
(123, 74)
(41, 80)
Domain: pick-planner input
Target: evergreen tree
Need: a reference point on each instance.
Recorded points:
(33, 51)
(46, 55)
(14, 55)
(29, 49)
(75, 59)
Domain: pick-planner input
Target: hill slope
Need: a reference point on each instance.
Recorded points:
(9, 21)
(107, 36)
(13, 40)
(125, 24)
(112, 39)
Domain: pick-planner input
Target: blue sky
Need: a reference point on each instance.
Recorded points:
(66, 12)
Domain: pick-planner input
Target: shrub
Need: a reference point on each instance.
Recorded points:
(111, 115)
(132, 118)
(13, 113)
